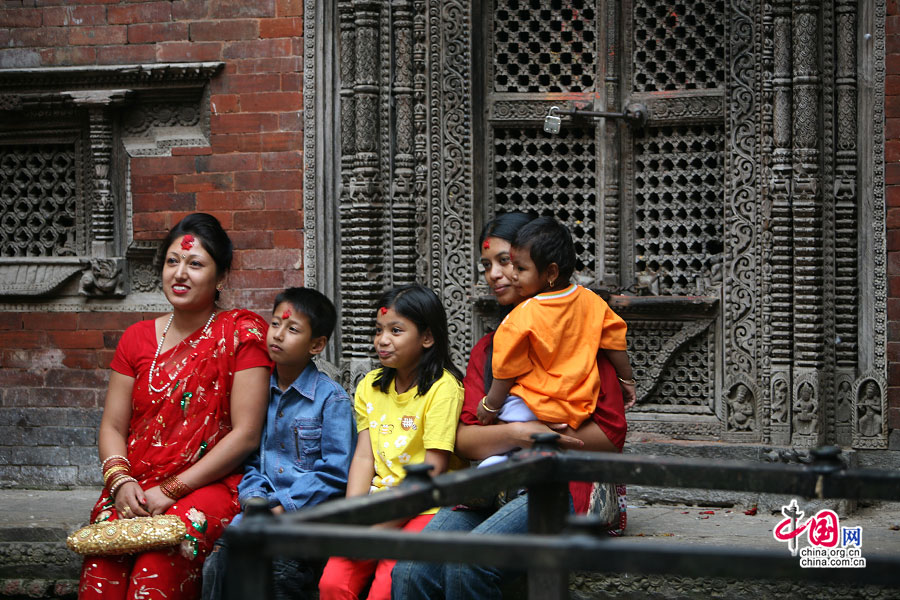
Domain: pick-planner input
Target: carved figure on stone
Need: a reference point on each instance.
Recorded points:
(779, 401)
(806, 408)
(844, 403)
(869, 410)
(104, 279)
(741, 411)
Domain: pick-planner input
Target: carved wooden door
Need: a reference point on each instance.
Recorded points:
(644, 205)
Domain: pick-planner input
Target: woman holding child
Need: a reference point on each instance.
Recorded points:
(185, 406)
(603, 432)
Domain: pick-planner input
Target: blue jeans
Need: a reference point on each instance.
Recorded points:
(454, 581)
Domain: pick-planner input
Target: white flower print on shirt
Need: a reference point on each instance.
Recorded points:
(369, 407)
(404, 458)
(401, 441)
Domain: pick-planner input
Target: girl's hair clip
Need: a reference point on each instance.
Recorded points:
(383, 310)
(187, 242)
(286, 314)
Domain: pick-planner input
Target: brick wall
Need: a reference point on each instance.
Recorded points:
(892, 197)
(53, 366)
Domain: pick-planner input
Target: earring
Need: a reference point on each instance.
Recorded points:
(220, 287)
(552, 281)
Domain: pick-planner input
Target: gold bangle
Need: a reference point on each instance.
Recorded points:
(631, 381)
(493, 411)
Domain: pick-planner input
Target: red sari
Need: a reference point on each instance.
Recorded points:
(168, 432)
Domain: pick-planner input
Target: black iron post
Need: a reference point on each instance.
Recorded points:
(548, 505)
(249, 572)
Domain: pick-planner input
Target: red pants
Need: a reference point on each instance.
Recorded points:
(344, 578)
(171, 573)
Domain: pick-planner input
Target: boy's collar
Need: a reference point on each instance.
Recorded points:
(305, 383)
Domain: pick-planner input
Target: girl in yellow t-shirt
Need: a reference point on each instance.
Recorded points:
(406, 413)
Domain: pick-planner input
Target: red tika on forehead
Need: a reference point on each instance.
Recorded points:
(383, 310)
(187, 242)
(286, 314)
(487, 244)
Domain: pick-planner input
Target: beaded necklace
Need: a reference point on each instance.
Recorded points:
(162, 339)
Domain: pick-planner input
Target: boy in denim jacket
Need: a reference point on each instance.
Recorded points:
(309, 437)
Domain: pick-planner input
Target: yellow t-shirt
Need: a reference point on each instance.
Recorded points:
(549, 345)
(403, 426)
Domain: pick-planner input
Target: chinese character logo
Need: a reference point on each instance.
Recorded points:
(830, 545)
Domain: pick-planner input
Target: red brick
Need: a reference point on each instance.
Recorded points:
(272, 102)
(146, 224)
(254, 280)
(104, 321)
(892, 25)
(19, 378)
(204, 182)
(252, 239)
(22, 339)
(893, 214)
(267, 220)
(892, 126)
(893, 239)
(258, 300)
(291, 121)
(104, 358)
(289, 8)
(256, 48)
(894, 374)
(893, 266)
(292, 64)
(892, 173)
(67, 16)
(281, 28)
(154, 202)
(892, 64)
(225, 103)
(284, 199)
(20, 17)
(243, 123)
(69, 55)
(190, 9)
(52, 397)
(892, 148)
(126, 55)
(893, 396)
(153, 183)
(111, 339)
(42, 321)
(148, 33)
(189, 51)
(98, 36)
(892, 198)
(77, 339)
(276, 161)
(223, 163)
(294, 278)
(892, 44)
(268, 180)
(242, 84)
(76, 378)
(149, 12)
(162, 165)
(892, 106)
(11, 321)
(237, 29)
(894, 289)
(43, 37)
(230, 9)
(191, 151)
(288, 238)
(292, 82)
(207, 201)
(893, 418)
(893, 309)
(254, 142)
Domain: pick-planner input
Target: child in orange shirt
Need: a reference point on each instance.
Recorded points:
(545, 351)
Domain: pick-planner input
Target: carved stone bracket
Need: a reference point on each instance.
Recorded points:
(106, 278)
(869, 412)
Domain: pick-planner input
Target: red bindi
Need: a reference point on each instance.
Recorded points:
(487, 244)
(286, 315)
(383, 310)
(187, 242)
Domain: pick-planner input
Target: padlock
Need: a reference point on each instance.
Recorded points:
(551, 121)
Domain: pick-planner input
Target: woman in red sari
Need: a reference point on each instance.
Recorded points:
(185, 406)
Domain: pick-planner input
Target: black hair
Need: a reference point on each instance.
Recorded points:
(548, 241)
(212, 237)
(315, 305)
(504, 226)
(421, 306)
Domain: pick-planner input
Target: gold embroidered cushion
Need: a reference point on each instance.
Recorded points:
(128, 536)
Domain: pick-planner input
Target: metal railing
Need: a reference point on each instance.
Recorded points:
(556, 543)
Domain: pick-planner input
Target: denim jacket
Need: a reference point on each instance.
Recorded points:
(307, 444)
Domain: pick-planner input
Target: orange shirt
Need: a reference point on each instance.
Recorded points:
(549, 345)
